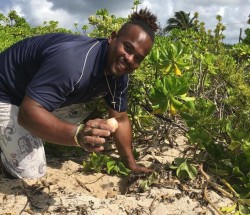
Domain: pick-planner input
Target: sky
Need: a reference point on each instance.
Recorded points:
(67, 12)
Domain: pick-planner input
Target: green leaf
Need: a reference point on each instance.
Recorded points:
(182, 87)
(234, 145)
(136, 154)
(237, 172)
(155, 55)
(188, 99)
(99, 162)
(179, 161)
(228, 209)
(244, 210)
(177, 104)
(192, 171)
(244, 201)
(184, 170)
(167, 83)
(246, 148)
(110, 166)
(210, 110)
(122, 169)
(189, 118)
(218, 171)
(190, 104)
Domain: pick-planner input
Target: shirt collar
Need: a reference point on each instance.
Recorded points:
(100, 62)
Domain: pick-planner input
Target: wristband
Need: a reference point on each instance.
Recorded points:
(79, 128)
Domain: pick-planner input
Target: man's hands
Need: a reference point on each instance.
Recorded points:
(139, 169)
(131, 164)
(92, 136)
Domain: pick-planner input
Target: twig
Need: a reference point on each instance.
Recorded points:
(151, 207)
(168, 120)
(26, 204)
(82, 185)
(214, 185)
(209, 201)
(172, 122)
(229, 187)
(29, 199)
(92, 182)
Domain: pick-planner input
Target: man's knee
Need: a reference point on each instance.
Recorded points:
(23, 169)
(36, 170)
(4, 171)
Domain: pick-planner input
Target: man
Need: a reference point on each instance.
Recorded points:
(44, 81)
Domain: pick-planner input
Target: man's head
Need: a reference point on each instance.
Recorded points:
(131, 44)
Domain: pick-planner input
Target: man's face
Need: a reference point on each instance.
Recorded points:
(127, 50)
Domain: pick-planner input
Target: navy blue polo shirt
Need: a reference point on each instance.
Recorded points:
(58, 70)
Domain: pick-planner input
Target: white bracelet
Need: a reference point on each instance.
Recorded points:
(79, 128)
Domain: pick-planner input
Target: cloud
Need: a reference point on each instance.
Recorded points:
(234, 12)
(162, 8)
(89, 7)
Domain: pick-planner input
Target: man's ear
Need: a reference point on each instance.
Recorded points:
(112, 36)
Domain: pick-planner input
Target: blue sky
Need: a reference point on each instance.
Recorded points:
(234, 12)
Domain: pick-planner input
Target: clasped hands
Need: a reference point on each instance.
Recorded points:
(92, 135)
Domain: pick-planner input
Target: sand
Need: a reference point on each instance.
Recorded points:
(67, 189)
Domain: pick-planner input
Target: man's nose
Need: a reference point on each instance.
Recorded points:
(130, 59)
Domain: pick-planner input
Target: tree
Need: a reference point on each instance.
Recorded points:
(181, 20)
(14, 28)
(247, 32)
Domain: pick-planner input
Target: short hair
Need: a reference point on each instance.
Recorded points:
(144, 19)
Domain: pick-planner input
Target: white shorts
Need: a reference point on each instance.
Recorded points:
(22, 153)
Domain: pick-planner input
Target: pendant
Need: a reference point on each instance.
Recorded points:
(113, 102)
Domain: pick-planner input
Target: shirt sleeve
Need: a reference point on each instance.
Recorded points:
(56, 78)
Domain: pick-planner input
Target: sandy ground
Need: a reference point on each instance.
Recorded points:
(66, 189)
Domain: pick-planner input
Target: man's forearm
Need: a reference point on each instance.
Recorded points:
(123, 139)
(45, 125)
(123, 136)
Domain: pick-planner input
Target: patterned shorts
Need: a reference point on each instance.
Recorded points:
(23, 153)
